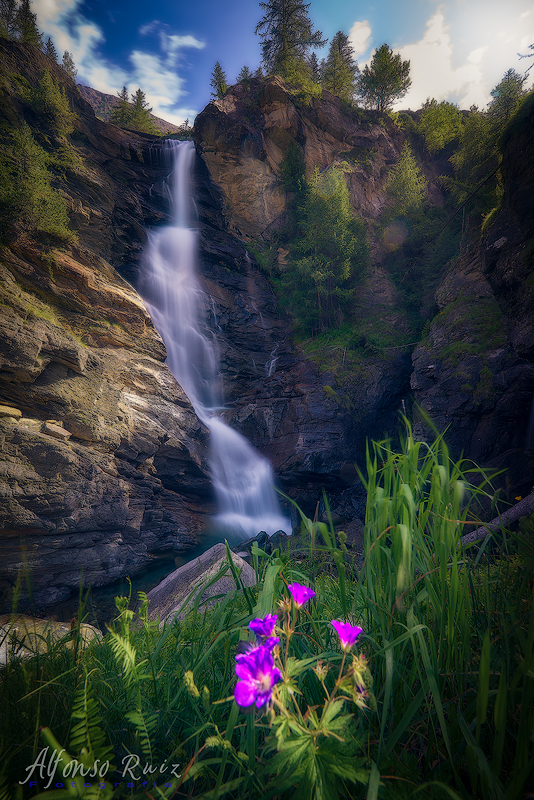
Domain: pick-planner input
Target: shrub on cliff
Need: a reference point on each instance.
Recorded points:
(328, 254)
(440, 124)
(406, 186)
(48, 98)
(28, 202)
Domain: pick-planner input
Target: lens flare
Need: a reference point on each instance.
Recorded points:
(395, 234)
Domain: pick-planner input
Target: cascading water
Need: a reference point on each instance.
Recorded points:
(242, 479)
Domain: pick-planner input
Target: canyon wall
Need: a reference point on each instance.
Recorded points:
(103, 463)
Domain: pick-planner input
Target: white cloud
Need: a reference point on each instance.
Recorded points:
(173, 44)
(433, 74)
(360, 37)
(463, 61)
(155, 74)
(150, 27)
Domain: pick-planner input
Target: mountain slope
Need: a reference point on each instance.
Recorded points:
(104, 104)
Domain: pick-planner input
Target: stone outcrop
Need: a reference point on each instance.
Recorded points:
(472, 373)
(242, 139)
(311, 424)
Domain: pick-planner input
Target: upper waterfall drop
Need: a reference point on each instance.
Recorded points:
(243, 480)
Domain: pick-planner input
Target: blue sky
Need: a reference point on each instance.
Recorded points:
(459, 49)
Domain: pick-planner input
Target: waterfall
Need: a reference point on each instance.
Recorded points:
(242, 479)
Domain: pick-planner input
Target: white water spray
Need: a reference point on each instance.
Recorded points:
(242, 479)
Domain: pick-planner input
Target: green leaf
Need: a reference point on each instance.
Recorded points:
(374, 782)
(483, 683)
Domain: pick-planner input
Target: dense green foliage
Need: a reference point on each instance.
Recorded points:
(406, 186)
(49, 50)
(327, 246)
(68, 65)
(245, 75)
(122, 112)
(385, 80)
(448, 635)
(140, 114)
(440, 124)
(328, 254)
(51, 103)
(28, 202)
(32, 159)
(340, 68)
(18, 22)
(477, 159)
(134, 114)
(287, 35)
(507, 96)
(218, 81)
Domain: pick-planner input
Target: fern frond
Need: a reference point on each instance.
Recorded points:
(87, 736)
(125, 654)
(145, 725)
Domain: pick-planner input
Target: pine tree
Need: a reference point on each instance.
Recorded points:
(218, 82)
(245, 75)
(8, 19)
(26, 25)
(140, 114)
(328, 254)
(507, 95)
(49, 50)
(315, 68)
(386, 80)
(287, 35)
(69, 66)
(122, 113)
(340, 69)
(50, 100)
(407, 184)
(528, 55)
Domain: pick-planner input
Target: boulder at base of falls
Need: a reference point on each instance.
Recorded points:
(175, 596)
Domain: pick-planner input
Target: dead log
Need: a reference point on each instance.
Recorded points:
(521, 509)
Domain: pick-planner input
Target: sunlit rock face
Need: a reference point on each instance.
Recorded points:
(472, 373)
(242, 139)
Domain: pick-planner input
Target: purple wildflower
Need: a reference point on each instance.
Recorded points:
(257, 676)
(265, 626)
(347, 634)
(300, 594)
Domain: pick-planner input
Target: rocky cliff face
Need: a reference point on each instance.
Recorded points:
(243, 137)
(474, 372)
(103, 461)
(311, 423)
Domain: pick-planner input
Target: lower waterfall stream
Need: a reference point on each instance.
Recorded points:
(242, 479)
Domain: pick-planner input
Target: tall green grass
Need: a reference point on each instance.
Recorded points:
(448, 634)
(450, 646)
